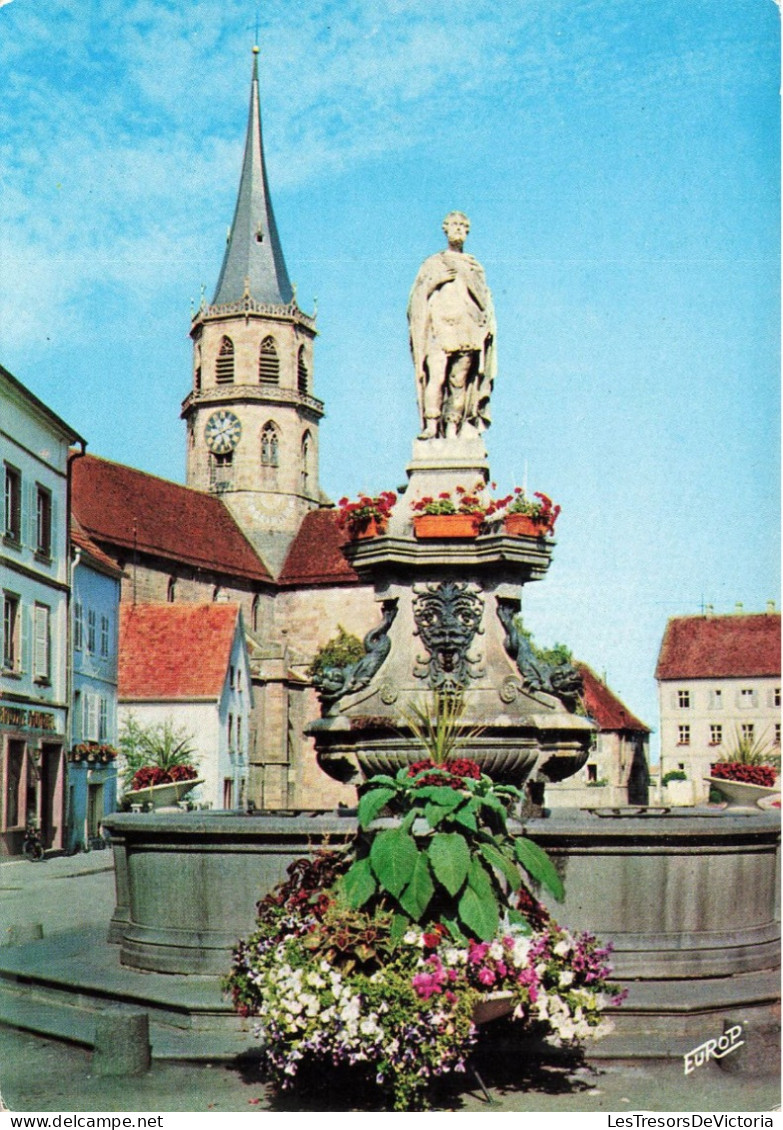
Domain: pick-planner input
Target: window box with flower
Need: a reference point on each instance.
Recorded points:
(460, 514)
(92, 754)
(526, 517)
(367, 516)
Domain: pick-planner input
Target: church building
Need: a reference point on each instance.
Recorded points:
(250, 527)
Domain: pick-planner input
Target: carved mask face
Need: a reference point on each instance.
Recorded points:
(447, 620)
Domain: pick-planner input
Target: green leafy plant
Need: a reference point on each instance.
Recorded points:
(555, 656)
(674, 775)
(449, 856)
(340, 651)
(438, 727)
(746, 749)
(163, 747)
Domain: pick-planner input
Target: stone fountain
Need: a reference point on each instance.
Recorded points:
(688, 897)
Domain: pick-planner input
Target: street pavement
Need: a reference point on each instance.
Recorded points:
(44, 1074)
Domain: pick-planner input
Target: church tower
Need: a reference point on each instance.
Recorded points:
(252, 421)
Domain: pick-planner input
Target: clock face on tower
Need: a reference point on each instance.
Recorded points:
(222, 432)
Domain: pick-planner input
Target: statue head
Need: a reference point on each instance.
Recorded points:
(456, 227)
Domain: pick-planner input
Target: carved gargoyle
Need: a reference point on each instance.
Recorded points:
(333, 683)
(561, 680)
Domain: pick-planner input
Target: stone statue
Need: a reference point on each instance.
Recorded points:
(452, 334)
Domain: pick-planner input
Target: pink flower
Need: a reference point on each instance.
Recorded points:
(486, 976)
(477, 951)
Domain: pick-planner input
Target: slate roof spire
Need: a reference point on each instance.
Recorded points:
(254, 263)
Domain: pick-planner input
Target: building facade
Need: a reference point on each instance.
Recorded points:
(185, 666)
(617, 771)
(92, 770)
(718, 684)
(34, 578)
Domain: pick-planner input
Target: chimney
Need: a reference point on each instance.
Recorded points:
(771, 609)
(739, 608)
(709, 610)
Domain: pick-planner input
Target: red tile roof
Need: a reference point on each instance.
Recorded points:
(81, 539)
(315, 557)
(124, 507)
(178, 651)
(720, 647)
(604, 706)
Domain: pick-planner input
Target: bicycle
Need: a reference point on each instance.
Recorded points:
(32, 847)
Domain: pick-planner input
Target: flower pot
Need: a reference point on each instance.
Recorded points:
(739, 796)
(492, 1006)
(372, 528)
(446, 525)
(165, 795)
(523, 525)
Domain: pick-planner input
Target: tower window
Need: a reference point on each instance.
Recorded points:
(171, 590)
(270, 446)
(302, 375)
(197, 379)
(268, 363)
(224, 366)
(255, 613)
(221, 471)
(305, 462)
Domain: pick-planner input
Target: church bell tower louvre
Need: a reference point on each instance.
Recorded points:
(252, 421)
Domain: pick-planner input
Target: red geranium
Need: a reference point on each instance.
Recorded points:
(450, 773)
(745, 774)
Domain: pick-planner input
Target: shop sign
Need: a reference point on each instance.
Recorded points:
(22, 719)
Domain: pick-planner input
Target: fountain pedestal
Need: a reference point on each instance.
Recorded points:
(447, 611)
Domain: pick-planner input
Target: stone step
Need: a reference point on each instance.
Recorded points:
(33, 1010)
(58, 986)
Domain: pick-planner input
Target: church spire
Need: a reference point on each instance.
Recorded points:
(253, 264)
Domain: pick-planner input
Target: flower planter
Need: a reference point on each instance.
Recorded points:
(372, 528)
(493, 1006)
(163, 796)
(446, 525)
(524, 525)
(740, 796)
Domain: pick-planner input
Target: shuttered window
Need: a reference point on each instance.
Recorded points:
(224, 366)
(302, 375)
(268, 363)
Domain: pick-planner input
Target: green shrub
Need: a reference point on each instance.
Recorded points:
(340, 651)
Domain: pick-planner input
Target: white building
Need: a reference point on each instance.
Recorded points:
(617, 771)
(187, 665)
(718, 682)
(34, 584)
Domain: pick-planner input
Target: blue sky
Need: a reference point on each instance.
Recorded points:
(620, 165)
